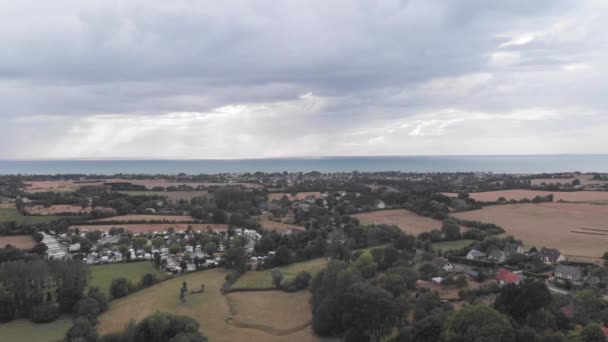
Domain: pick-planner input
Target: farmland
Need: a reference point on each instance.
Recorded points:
(17, 241)
(102, 275)
(550, 225)
(279, 227)
(210, 309)
(24, 330)
(61, 209)
(408, 221)
(171, 195)
(10, 214)
(298, 196)
(263, 279)
(586, 180)
(154, 227)
(136, 217)
(598, 197)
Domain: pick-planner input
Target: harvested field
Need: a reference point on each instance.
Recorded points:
(263, 279)
(598, 197)
(17, 241)
(266, 310)
(171, 195)
(586, 180)
(73, 185)
(298, 196)
(279, 227)
(135, 217)
(62, 209)
(550, 225)
(7, 206)
(11, 214)
(210, 309)
(408, 221)
(155, 227)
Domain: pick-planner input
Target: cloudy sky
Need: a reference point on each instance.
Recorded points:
(267, 78)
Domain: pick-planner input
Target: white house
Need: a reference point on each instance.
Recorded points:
(475, 254)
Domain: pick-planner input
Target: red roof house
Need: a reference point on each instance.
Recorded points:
(505, 276)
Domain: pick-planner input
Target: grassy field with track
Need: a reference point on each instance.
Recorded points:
(263, 279)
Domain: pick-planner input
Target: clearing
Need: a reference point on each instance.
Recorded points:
(154, 227)
(10, 214)
(210, 309)
(298, 196)
(598, 197)
(448, 245)
(24, 330)
(266, 310)
(406, 220)
(136, 217)
(102, 275)
(171, 195)
(17, 241)
(566, 226)
(263, 279)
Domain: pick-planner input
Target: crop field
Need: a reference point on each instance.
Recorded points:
(577, 229)
(298, 196)
(154, 227)
(279, 227)
(10, 214)
(448, 245)
(102, 275)
(597, 197)
(171, 195)
(210, 309)
(24, 330)
(586, 180)
(62, 208)
(73, 185)
(263, 279)
(136, 217)
(408, 221)
(266, 310)
(17, 241)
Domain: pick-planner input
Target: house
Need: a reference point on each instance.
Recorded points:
(513, 248)
(498, 256)
(471, 273)
(444, 264)
(551, 255)
(505, 276)
(380, 204)
(437, 280)
(475, 254)
(568, 274)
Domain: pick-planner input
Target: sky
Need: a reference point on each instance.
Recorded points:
(267, 78)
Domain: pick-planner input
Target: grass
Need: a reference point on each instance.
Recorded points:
(447, 245)
(102, 275)
(24, 330)
(172, 195)
(11, 214)
(263, 279)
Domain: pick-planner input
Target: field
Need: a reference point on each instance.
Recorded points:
(135, 217)
(17, 241)
(155, 227)
(279, 227)
(298, 196)
(210, 309)
(266, 310)
(550, 225)
(408, 221)
(62, 208)
(597, 197)
(586, 180)
(102, 275)
(447, 245)
(72, 185)
(172, 195)
(24, 330)
(263, 279)
(9, 214)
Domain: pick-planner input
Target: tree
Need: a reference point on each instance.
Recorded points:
(593, 333)
(100, 297)
(282, 256)
(157, 242)
(40, 248)
(277, 277)
(366, 265)
(175, 248)
(519, 301)
(139, 242)
(88, 308)
(81, 331)
(302, 280)
(450, 229)
(120, 287)
(210, 248)
(477, 323)
(44, 313)
(148, 279)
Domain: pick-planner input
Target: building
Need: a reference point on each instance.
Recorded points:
(551, 255)
(475, 254)
(505, 277)
(498, 256)
(443, 264)
(513, 248)
(568, 274)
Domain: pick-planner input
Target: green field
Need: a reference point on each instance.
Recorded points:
(172, 195)
(447, 245)
(11, 214)
(102, 275)
(24, 330)
(263, 279)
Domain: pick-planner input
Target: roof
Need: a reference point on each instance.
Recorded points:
(471, 273)
(550, 253)
(477, 254)
(497, 254)
(511, 248)
(440, 262)
(604, 330)
(573, 271)
(508, 277)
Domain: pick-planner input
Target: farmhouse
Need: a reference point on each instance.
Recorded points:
(551, 255)
(505, 276)
(444, 264)
(475, 254)
(568, 274)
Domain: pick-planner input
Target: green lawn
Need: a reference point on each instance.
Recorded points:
(447, 245)
(263, 279)
(24, 330)
(102, 275)
(11, 214)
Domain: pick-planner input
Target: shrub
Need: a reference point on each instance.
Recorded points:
(148, 279)
(44, 313)
(302, 280)
(120, 287)
(88, 308)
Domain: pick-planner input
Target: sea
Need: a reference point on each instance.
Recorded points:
(518, 164)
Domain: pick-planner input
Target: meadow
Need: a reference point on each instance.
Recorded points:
(406, 220)
(263, 279)
(12, 214)
(24, 330)
(154, 227)
(102, 275)
(449, 245)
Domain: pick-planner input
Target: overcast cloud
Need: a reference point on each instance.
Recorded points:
(266, 78)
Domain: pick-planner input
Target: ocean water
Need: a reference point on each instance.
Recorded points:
(496, 164)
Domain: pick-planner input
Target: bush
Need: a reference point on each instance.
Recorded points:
(88, 308)
(148, 279)
(120, 287)
(100, 297)
(277, 278)
(44, 313)
(302, 280)
(81, 331)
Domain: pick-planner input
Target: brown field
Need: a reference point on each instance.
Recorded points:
(585, 180)
(7, 206)
(408, 221)
(62, 208)
(17, 241)
(73, 185)
(56, 185)
(550, 225)
(267, 310)
(210, 309)
(279, 227)
(298, 196)
(155, 227)
(598, 197)
(136, 217)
